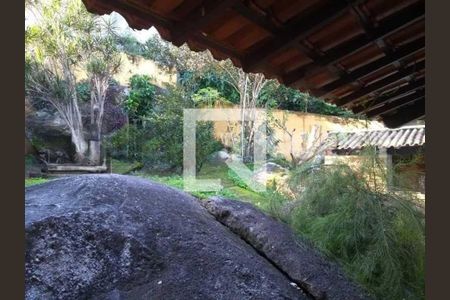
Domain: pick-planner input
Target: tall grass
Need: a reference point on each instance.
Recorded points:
(378, 236)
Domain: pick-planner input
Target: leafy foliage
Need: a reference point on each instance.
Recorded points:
(219, 82)
(83, 90)
(282, 97)
(209, 97)
(126, 143)
(124, 167)
(158, 143)
(129, 44)
(165, 126)
(141, 97)
(378, 236)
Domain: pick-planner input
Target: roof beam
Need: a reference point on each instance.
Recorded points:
(396, 104)
(401, 92)
(292, 33)
(402, 73)
(389, 26)
(400, 54)
(405, 115)
(200, 18)
(265, 23)
(262, 21)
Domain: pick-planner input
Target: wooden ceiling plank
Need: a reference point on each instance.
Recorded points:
(292, 33)
(396, 104)
(200, 18)
(399, 93)
(393, 24)
(398, 55)
(266, 23)
(402, 73)
(262, 21)
(405, 115)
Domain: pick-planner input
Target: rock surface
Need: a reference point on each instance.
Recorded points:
(274, 240)
(269, 171)
(219, 157)
(122, 237)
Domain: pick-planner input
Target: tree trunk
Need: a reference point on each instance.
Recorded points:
(95, 152)
(80, 144)
(98, 96)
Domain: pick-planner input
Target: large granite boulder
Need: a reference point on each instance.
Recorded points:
(303, 264)
(122, 237)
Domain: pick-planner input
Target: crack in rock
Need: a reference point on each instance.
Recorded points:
(295, 258)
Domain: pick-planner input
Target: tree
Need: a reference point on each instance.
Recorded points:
(140, 99)
(102, 62)
(312, 144)
(158, 144)
(209, 97)
(53, 49)
(129, 44)
(67, 39)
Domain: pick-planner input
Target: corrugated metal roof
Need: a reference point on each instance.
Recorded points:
(382, 138)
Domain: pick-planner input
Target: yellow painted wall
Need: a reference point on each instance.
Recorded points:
(303, 124)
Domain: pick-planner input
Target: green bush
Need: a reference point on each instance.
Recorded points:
(158, 143)
(141, 98)
(126, 143)
(164, 129)
(378, 236)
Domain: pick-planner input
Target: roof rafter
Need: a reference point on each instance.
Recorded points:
(396, 104)
(127, 11)
(401, 53)
(399, 93)
(292, 33)
(298, 44)
(406, 114)
(392, 24)
(270, 27)
(401, 74)
(200, 18)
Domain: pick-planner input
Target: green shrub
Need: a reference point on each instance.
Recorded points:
(140, 101)
(378, 236)
(164, 131)
(158, 142)
(126, 143)
(83, 90)
(236, 179)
